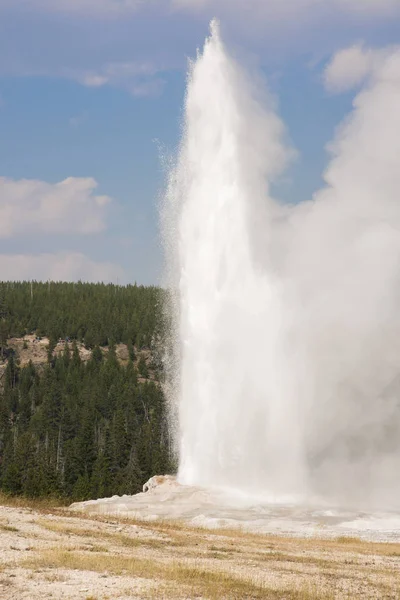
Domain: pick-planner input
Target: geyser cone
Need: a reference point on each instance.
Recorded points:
(232, 414)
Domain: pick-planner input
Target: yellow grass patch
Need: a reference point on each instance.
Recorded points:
(186, 578)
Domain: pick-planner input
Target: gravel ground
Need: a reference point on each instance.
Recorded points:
(57, 553)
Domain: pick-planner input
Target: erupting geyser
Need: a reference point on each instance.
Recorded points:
(286, 378)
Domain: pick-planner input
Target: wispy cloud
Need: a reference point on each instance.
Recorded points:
(88, 8)
(149, 37)
(253, 9)
(77, 120)
(281, 9)
(370, 7)
(139, 79)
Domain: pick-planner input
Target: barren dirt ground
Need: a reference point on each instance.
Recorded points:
(50, 552)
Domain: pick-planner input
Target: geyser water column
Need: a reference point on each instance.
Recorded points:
(286, 370)
(236, 428)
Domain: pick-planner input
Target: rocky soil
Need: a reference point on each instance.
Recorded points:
(29, 348)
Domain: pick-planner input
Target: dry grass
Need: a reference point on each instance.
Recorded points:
(8, 528)
(344, 539)
(113, 538)
(32, 503)
(173, 560)
(181, 532)
(186, 578)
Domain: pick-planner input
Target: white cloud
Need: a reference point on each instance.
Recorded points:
(37, 207)
(351, 66)
(138, 78)
(72, 266)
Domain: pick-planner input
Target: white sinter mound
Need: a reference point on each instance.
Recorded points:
(215, 508)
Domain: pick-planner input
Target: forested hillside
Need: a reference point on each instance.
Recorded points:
(73, 427)
(93, 313)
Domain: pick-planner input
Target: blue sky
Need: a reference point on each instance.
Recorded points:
(90, 89)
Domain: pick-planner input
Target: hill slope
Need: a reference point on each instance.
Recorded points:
(79, 420)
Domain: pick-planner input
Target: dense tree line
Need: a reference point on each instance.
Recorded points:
(93, 313)
(80, 430)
